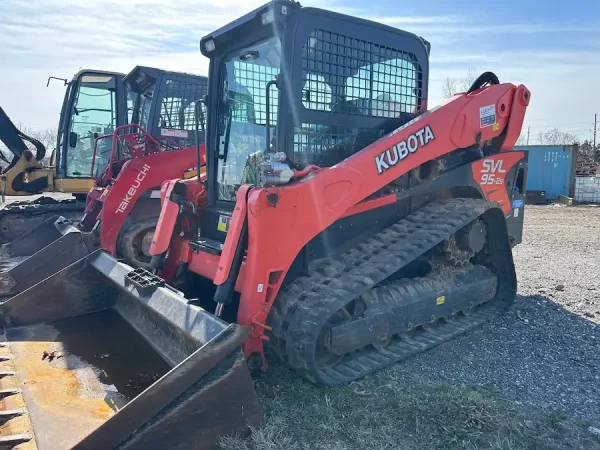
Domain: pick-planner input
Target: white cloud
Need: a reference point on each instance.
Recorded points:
(58, 37)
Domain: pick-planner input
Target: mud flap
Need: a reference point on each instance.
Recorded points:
(110, 357)
(47, 249)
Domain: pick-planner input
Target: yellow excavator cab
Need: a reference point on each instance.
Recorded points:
(95, 103)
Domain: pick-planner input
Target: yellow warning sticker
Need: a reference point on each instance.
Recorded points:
(496, 126)
(105, 192)
(440, 300)
(223, 224)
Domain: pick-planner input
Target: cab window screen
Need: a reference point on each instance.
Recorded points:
(351, 77)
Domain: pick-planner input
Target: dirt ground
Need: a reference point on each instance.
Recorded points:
(528, 380)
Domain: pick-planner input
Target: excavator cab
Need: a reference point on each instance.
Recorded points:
(96, 103)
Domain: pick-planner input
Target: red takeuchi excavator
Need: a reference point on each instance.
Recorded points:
(342, 224)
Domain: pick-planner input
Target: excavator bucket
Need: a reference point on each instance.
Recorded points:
(40, 253)
(110, 357)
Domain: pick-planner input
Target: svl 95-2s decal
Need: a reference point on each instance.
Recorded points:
(490, 174)
(491, 168)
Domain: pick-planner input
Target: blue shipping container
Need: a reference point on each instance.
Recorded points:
(551, 169)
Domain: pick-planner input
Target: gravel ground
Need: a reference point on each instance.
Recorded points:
(529, 380)
(546, 351)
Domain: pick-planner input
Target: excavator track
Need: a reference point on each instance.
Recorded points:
(20, 217)
(308, 305)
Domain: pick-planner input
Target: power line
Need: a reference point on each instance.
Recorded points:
(547, 119)
(595, 123)
(562, 125)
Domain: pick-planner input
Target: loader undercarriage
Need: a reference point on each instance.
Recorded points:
(345, 320)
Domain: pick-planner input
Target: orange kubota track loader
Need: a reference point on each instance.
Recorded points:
(128, 166)
(341, 224)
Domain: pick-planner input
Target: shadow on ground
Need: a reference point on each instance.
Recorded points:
(527, 380)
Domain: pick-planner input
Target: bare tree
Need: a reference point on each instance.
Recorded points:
(556, 137)
(449, 87)
(453, 85)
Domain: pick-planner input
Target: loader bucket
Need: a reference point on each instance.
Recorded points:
(34, 240)
(59, 244)
(110, 357)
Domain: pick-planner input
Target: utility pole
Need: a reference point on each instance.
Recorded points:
(528, 131)
(595, 126)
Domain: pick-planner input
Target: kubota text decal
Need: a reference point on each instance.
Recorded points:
(390, 157)
(134, 187)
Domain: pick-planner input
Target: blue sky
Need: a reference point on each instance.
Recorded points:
(552, 47)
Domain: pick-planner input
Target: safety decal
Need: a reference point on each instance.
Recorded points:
(174, 133)
(517, 203)
(223, 224)
(487, 116)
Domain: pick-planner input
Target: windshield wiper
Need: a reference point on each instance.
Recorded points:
(77, 111)
(227, 126)
(275, 83)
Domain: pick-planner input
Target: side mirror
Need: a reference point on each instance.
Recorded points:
(73, 138)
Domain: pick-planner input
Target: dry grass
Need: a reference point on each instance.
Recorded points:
(393, 410)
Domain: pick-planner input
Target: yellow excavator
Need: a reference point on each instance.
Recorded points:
(95, 103)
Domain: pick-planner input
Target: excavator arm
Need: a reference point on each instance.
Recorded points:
(24, 174)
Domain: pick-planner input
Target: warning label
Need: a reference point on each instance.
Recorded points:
(487, 116)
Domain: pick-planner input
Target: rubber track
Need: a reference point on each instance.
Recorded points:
(304, 306)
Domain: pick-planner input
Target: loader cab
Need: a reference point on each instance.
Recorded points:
(319, 85)
(95, 103)
(166, 102)
(163, 103)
